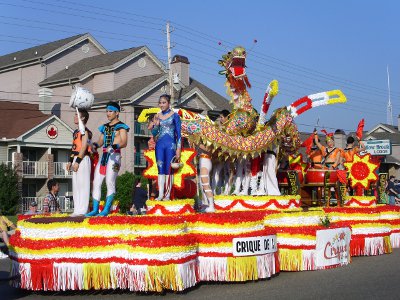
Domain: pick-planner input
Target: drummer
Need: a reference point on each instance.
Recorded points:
(351, 150)
(330, 154)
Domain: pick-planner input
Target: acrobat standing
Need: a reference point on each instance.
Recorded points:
(113, 138)
(80, 164)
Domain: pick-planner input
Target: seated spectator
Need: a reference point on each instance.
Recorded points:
(50, 202)
(32, 208)
(139, 198)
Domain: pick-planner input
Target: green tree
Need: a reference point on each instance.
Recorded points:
(9, 195)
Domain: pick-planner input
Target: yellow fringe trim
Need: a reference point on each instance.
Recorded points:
(387, 244)
(291, 259)
(96, 276)
(242, 268)
(164, 277)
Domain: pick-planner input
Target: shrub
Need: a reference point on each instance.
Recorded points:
(9, 194)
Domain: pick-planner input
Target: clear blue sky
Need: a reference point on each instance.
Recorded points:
(308, 46)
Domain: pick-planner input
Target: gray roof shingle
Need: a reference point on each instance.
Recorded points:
(29, 54)
(90, 63)
(129, 89)
(219, 101)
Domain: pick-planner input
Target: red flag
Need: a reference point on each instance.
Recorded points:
(308, 143)
(360, 129)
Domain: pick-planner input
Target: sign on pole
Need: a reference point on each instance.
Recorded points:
(378, 147)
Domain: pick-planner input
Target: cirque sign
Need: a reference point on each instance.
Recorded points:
(333, 247)
(378, 147)
(254, 245)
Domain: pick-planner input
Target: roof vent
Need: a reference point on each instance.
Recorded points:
(35, 52)
(66, 67)
(15, 58)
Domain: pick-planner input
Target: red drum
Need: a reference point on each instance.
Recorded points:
(282, 176)
(189, 190)
(317, 176)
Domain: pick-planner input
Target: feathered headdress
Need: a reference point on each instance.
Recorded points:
(328, 135)
(360, 129)
(308, 143)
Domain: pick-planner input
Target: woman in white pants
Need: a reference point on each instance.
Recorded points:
(80, 164)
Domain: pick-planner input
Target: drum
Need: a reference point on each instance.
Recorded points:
(81, 98)
(282, 176)
(317, 176)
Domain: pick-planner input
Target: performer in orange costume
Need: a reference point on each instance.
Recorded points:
(331, 154)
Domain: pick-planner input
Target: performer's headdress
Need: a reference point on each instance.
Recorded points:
(113, 106)
(328, 135)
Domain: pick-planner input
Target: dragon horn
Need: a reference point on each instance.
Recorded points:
(303, 104)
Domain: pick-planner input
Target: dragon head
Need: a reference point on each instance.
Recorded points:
(234, 64)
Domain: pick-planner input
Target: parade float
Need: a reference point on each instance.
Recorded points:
(174, 247)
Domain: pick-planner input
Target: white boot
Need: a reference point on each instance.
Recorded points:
(168, 185)
(210, 208)
(161, 184)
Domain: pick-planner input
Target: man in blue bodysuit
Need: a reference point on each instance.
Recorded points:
(167, 133)
(113, 138)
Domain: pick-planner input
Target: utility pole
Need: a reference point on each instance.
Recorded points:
(169, 47)
(389, 117)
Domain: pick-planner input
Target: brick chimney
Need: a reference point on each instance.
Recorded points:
(45, 102)
(180, 69)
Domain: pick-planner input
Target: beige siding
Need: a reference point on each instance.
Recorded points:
(31, 76)
(88, 83)
(103, 82)
(132, 70)
(196, 103)
(151, 98)
(39, 136)
(69, 57)
(3, 152)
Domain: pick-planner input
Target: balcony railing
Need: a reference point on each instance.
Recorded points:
(35, 168)
(141, 129)
(66, 203)
(140, 160)
(60, 170)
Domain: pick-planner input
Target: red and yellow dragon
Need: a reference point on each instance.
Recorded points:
(248, 133)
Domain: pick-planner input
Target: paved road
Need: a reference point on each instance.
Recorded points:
(374, 277)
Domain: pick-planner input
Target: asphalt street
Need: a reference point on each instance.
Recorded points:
(373, 277)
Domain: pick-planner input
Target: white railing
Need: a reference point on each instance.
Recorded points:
(66, 204)
(140, 160)
(35, 168)
(60, 169)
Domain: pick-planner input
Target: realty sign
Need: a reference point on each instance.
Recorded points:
(333, 247)
(378, 147)
(254, 245)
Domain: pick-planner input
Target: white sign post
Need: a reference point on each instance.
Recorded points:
(378, 147)
(257, 245)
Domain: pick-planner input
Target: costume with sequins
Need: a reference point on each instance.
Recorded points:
(168, 135)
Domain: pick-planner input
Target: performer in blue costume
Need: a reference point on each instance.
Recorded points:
(113, 138)
(167, 132)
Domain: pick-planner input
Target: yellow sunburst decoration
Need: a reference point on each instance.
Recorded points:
(186, 170)
(362, 171)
